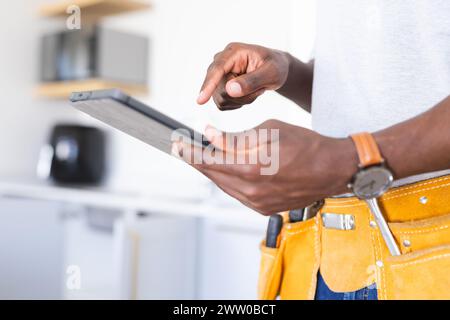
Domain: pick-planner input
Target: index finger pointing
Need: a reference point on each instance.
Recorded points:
(212, 80)
(216, 71)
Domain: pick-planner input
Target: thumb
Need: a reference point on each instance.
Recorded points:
(234, 142)
(215, 137)
(249, 83)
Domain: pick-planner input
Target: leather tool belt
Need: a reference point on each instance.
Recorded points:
(344, 243)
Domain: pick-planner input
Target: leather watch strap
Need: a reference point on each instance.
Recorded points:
(367, 148)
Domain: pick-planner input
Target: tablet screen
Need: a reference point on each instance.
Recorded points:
(135, 123)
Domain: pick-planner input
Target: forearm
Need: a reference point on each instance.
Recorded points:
(416, 146)
(419, 145)
(299, 84)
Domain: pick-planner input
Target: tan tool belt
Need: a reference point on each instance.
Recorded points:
(344, 243)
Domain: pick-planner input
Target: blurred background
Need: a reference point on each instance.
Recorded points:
(90, 213)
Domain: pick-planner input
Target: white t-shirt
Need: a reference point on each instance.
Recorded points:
(379, 62)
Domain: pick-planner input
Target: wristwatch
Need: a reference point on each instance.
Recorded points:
(373, 177)
(371, 181)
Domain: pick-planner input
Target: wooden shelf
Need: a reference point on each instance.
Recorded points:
(63, 89)
(93, 8)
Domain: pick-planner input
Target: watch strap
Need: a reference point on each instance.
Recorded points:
(368, 152)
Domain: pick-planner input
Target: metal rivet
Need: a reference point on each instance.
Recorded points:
(407, 243)
(380, 264)
(423, 200)
(373, 224)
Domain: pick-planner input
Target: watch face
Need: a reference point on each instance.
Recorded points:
(372, 182)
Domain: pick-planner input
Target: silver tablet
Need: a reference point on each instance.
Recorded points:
(128, 115)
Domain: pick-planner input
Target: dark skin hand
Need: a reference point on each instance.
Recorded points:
(301, 178)
(311, 166)
(242, 72)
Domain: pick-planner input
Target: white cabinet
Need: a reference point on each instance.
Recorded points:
(157, 256)
(31, 249)
(229, 261)
(180, 251)
(175, 257)
(89, 254)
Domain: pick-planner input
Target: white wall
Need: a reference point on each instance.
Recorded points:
(184, 36)
(24, 120)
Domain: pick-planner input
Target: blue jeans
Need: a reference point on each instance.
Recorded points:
(324, 293)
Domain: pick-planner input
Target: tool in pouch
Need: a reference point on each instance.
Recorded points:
(305, 213)
(273, 230)
(371, 181)
(276, 221)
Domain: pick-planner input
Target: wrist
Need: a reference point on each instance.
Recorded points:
(299, 81)
(288, 62)
(341, 163)
(285, 62)
(393, 154)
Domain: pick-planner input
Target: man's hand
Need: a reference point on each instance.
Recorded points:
(311, 167)
(243, 72)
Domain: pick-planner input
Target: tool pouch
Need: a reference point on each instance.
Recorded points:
(353, 259)
(290, 271)
(422, 271)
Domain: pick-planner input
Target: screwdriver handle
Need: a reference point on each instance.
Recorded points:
(273, 230)
(296, 215)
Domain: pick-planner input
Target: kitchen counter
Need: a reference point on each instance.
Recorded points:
(214, 206)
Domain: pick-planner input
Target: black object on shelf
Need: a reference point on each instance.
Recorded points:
(77, 155)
